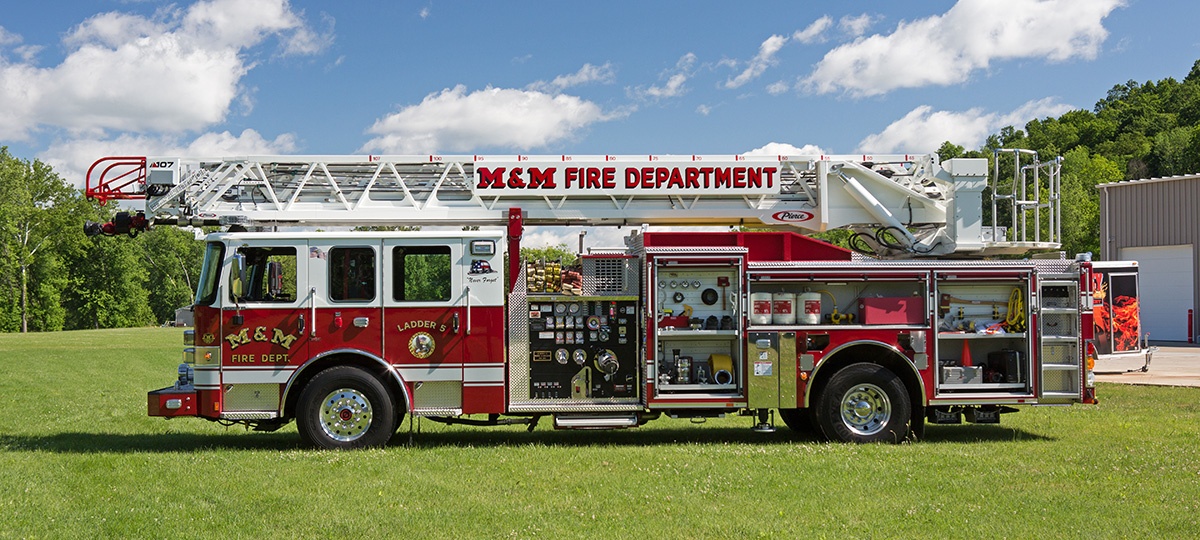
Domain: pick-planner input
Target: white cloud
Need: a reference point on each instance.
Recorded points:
(778, 87)
(761, 61)
(8, 38)
(785, 149)
(454, 120)
(855, 26)
(424, 13)
(814, 32)
(946, 49)
(924, 129)
(704, 110)
(586, 74)
(177, 72)
(676, 77)
(71, 158)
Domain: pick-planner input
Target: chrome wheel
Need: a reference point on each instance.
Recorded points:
(345, 414)
(866, 409)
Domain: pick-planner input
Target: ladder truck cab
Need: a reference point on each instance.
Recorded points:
(348, 332)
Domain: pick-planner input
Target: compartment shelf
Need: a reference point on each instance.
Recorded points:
(668, 387)
(982, 386)
(967, 335)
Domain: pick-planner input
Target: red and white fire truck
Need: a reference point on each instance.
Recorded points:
(349, 332)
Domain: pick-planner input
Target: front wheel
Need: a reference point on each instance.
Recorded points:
(864, 403)
(345, 407)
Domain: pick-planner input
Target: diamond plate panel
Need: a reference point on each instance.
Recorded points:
(1060, 324)
(437, 395)
(251, 397)
(1065, 381)
(1062, 354)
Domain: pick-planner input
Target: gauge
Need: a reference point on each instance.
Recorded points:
(561, 356)
(593, 323)
(574, 308)
(560, 308)
(579, 356)
(696, 284)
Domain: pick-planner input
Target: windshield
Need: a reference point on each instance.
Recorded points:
(210, 273)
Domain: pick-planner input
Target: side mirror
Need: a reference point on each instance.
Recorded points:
(237, 276)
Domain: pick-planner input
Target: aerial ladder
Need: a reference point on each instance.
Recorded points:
(898, 205)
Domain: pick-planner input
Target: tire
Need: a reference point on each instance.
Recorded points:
(798, 420)
(864, 403)
(345, 407)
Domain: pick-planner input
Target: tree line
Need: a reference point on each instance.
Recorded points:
(53, 277)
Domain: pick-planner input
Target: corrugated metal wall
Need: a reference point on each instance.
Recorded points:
(1151, 212)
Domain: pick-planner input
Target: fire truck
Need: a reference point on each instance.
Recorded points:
(348, 332)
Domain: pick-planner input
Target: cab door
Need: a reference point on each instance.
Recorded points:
(263, 328)
(345, 297)
(424, 319)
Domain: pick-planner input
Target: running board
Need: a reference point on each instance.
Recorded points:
(593, 421)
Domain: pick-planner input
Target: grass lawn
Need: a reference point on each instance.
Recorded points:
(79, 458)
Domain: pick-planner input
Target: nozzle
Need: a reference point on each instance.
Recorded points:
(122, 223)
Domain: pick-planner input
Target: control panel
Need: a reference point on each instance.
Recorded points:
(583, 347)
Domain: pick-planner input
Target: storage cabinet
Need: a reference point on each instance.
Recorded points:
(698, 325)
(983, 339)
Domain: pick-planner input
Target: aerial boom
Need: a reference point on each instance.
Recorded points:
(904, 204)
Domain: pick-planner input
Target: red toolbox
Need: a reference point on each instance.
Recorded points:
(891, 310)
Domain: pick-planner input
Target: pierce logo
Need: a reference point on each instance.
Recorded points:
(792, 215)
(162, 164)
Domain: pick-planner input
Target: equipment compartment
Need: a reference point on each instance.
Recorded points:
(983, 340)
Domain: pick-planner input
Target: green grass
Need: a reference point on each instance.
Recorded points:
(79, 458)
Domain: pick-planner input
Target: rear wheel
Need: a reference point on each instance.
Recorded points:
(345, 407)
(864, 403)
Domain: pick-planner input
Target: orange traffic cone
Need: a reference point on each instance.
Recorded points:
(966, 354)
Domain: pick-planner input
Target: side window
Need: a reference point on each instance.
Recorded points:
(351, 274)
(270, 274)
(421, 273)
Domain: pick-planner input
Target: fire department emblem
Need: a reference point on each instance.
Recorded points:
(421, 345)
(209, 338)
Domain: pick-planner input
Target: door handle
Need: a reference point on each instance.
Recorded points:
(455, 323)
(300, 324)
(312, 305)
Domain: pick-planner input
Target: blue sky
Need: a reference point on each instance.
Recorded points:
(89, 79)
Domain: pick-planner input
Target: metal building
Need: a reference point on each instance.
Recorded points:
(1156, 221)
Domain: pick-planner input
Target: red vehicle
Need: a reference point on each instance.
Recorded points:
(347, 333)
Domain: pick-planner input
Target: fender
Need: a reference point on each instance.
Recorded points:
(893, 348)
(383, 363)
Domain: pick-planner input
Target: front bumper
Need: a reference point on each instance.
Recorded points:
(171, 402)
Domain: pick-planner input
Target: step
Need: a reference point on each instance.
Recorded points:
(595, 421)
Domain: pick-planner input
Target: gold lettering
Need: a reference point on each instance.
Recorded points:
(283, 339)
(238, 339)
(241, 358)
(275, 358)
(260, 333)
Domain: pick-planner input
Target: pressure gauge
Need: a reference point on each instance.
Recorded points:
(560, 308)
(574, 308)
